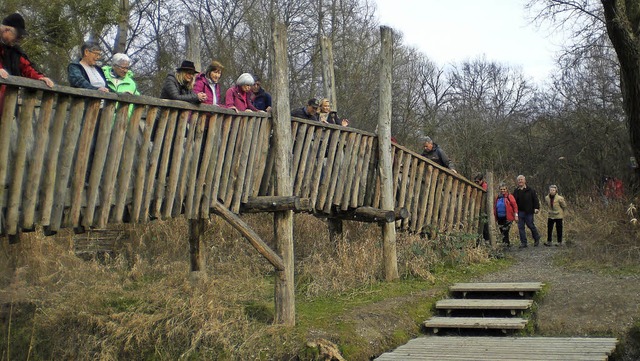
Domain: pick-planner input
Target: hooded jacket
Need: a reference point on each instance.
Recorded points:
(202, 84)
(124, 85)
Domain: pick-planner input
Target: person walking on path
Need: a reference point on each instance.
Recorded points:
(528, 207)
(557, 206)
(506, 211)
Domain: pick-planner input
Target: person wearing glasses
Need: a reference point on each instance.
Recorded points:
(119, 77)
(85, 73)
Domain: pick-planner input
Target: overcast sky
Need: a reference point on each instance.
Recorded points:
(451, 31)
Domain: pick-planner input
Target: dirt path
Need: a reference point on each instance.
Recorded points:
(577, 303)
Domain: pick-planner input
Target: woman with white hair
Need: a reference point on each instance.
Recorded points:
(239, 96)
(119, 76)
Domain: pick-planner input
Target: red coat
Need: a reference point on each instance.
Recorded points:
(235, 97)
(512, 207)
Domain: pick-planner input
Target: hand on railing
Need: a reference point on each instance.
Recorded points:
(47, 81)
(4, 74)
(202, 97)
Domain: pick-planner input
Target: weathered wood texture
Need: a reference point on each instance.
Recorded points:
(503, 348)
(77, 158)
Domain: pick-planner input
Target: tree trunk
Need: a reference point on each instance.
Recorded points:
(192, 33)
(384, 148)
(120, 42)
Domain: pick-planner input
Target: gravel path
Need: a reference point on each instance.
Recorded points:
(578, 302)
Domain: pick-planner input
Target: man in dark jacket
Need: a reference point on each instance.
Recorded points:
(261, 99)
(435, 153)
(528, 206)
(309, 112)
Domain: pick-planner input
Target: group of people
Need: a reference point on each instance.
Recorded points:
(521, 206)
(319, 110)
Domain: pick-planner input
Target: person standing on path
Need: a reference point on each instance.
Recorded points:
(557, 206)
(528, 207)
(506, 211)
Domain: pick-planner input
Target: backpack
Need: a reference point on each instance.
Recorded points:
(501, 208)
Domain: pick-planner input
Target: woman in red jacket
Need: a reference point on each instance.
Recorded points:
(506, 211)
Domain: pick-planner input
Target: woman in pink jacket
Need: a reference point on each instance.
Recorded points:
(207, 83)
(506, 211)
(239, 96)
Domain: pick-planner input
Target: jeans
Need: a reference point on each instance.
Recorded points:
(527, 219)
(550, 223)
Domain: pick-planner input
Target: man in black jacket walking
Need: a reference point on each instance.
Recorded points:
(528, 206)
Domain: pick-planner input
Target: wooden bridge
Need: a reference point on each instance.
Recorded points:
(75, 158)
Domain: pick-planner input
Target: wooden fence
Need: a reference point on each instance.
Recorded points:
(76, 158)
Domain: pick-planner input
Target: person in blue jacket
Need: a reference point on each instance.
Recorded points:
(85, 73)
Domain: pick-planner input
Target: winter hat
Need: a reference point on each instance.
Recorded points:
(16, 21)
(187, 66)
(245, 79)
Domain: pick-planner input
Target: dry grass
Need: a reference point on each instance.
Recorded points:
(145, 304)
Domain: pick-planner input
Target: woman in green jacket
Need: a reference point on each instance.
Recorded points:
(119, 77)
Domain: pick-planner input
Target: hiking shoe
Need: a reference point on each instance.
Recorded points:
(558, 244)
(522, 246)
(536, 243)
(548, 244)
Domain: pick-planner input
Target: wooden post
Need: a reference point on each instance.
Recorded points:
(489, 207)
(328, 76)
(283, 221)
(196, 230)
(384, 149)
(192, 34)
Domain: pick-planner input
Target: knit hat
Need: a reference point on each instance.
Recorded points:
(245, 79)
(16, 21)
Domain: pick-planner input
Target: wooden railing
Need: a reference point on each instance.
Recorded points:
(76, 158)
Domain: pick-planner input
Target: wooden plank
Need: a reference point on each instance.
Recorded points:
(337, 169)
(176, 163)
(345, 170)
(55, 141)
(466, 207)
(71, 133)
(167, 141)
(262, 157)
(298, 144)
(241, 169)
(228, 157)
(205, 179)
(111, 166)
(197, 167)
(352, 170)
(424, 197)
(407, 198)
(10, 103)
(435, 175)
(446, 199)
(361, 170)
(369, 187)
(299, 175)
(479, 304)
(19, 161)
(36, 164)
(451, 226)
(459, 208)
(499, 323)
(417, 196)
(82, 159)
(222, 153)
(398, 159)
(321, 168)
(235, 162)
(99, 158)
(328, 170)
(316, 160)
(154, 160)
(497, 287)
(252, 163)
(126, 163)
(141, 171)
(185, 164)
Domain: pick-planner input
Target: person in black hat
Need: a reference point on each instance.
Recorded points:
(13, 61)
(179, 86)
(308, 112)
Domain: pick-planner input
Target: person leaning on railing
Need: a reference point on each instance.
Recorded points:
(13, 61)
(327, 116)
(310, 111)
(119, 76)
(85, 72)
(179, 86)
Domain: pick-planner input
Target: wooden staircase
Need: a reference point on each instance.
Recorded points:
(496, 306)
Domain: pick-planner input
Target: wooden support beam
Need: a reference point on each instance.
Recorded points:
(249, 234)
(373, 215)
(275, 204)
